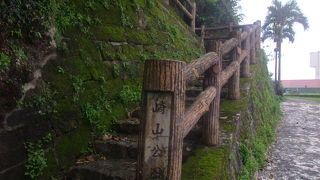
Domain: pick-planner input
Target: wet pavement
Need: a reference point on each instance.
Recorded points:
(295, 155)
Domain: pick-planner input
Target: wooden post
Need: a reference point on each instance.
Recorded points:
(253, 47)
(211, 118)
(160, 141)
(245, 65)
(193, 21)
(258, 34)
(184, 9)
(203, 34)
(230, 27)
(234, 81)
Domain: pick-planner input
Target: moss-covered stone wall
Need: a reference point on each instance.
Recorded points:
(94, 80)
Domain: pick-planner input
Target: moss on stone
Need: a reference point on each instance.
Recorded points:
(117, 111)
(106, 32)
(228, 126)
(230, 107)
(264, 116)
(134, 52)
(109, 15)
(91, 68)
(69, 147)
(53, 167)
(208, 163)
(139, 36)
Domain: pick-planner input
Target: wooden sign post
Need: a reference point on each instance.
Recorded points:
(161, 141)
(157, 134)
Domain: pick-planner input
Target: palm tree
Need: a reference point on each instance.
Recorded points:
(278, 26)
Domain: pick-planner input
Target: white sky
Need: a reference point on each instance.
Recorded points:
(295, 57)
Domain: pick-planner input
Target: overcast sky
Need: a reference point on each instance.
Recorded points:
(296, 56)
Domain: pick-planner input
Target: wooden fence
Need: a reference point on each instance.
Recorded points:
(166, 122)
(191, 14)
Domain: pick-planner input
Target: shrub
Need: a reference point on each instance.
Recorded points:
(25, 17)
(278, 88)
(36, 160)
(218, 12)
(131, 95)
(5, 61)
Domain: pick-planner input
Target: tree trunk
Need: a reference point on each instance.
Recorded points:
(276, 65)
(279, 70)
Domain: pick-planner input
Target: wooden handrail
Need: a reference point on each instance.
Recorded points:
(229, 45)
(197, 67)
(244, 35)
(166, 122)
(197, 109)
(184, 9)
(229, 71)
(225, 27)
(190, 14)
(225, 37)
(190, 3)
(243, 55)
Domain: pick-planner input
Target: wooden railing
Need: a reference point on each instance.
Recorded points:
(166, 122)
(191, 14)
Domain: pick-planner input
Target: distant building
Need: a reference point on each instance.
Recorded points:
(303, 86)
(315, 63)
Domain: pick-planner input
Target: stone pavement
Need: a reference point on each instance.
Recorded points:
(295, 155)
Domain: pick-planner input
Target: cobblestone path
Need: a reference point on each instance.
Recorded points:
(295, 155)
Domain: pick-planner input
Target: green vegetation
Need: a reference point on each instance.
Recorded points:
(24, 18)
(18, 53)
(44, 103)
(316, 99)
(279, 26)
(94, 114)
(208, 163)
(96, 77)
(301, 93)
(115, 68)
(36, 160)
(77, 85)
(265, 115)
(259, 112)
(31, 19)
(5, 61)
(131, 95)
(218, 12)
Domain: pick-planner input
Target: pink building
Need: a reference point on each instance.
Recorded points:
(307, 86)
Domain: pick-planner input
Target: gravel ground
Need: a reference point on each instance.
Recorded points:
(295, 155)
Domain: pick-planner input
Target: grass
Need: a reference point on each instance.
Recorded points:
(302, 94)
(315, 99)
(208, 163)
(264, 110)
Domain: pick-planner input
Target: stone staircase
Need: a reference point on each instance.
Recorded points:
(121, 149)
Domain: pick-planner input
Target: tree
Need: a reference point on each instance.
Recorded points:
(278, 26)
(218, 12)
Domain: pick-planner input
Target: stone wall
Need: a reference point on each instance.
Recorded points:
(76, 92)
